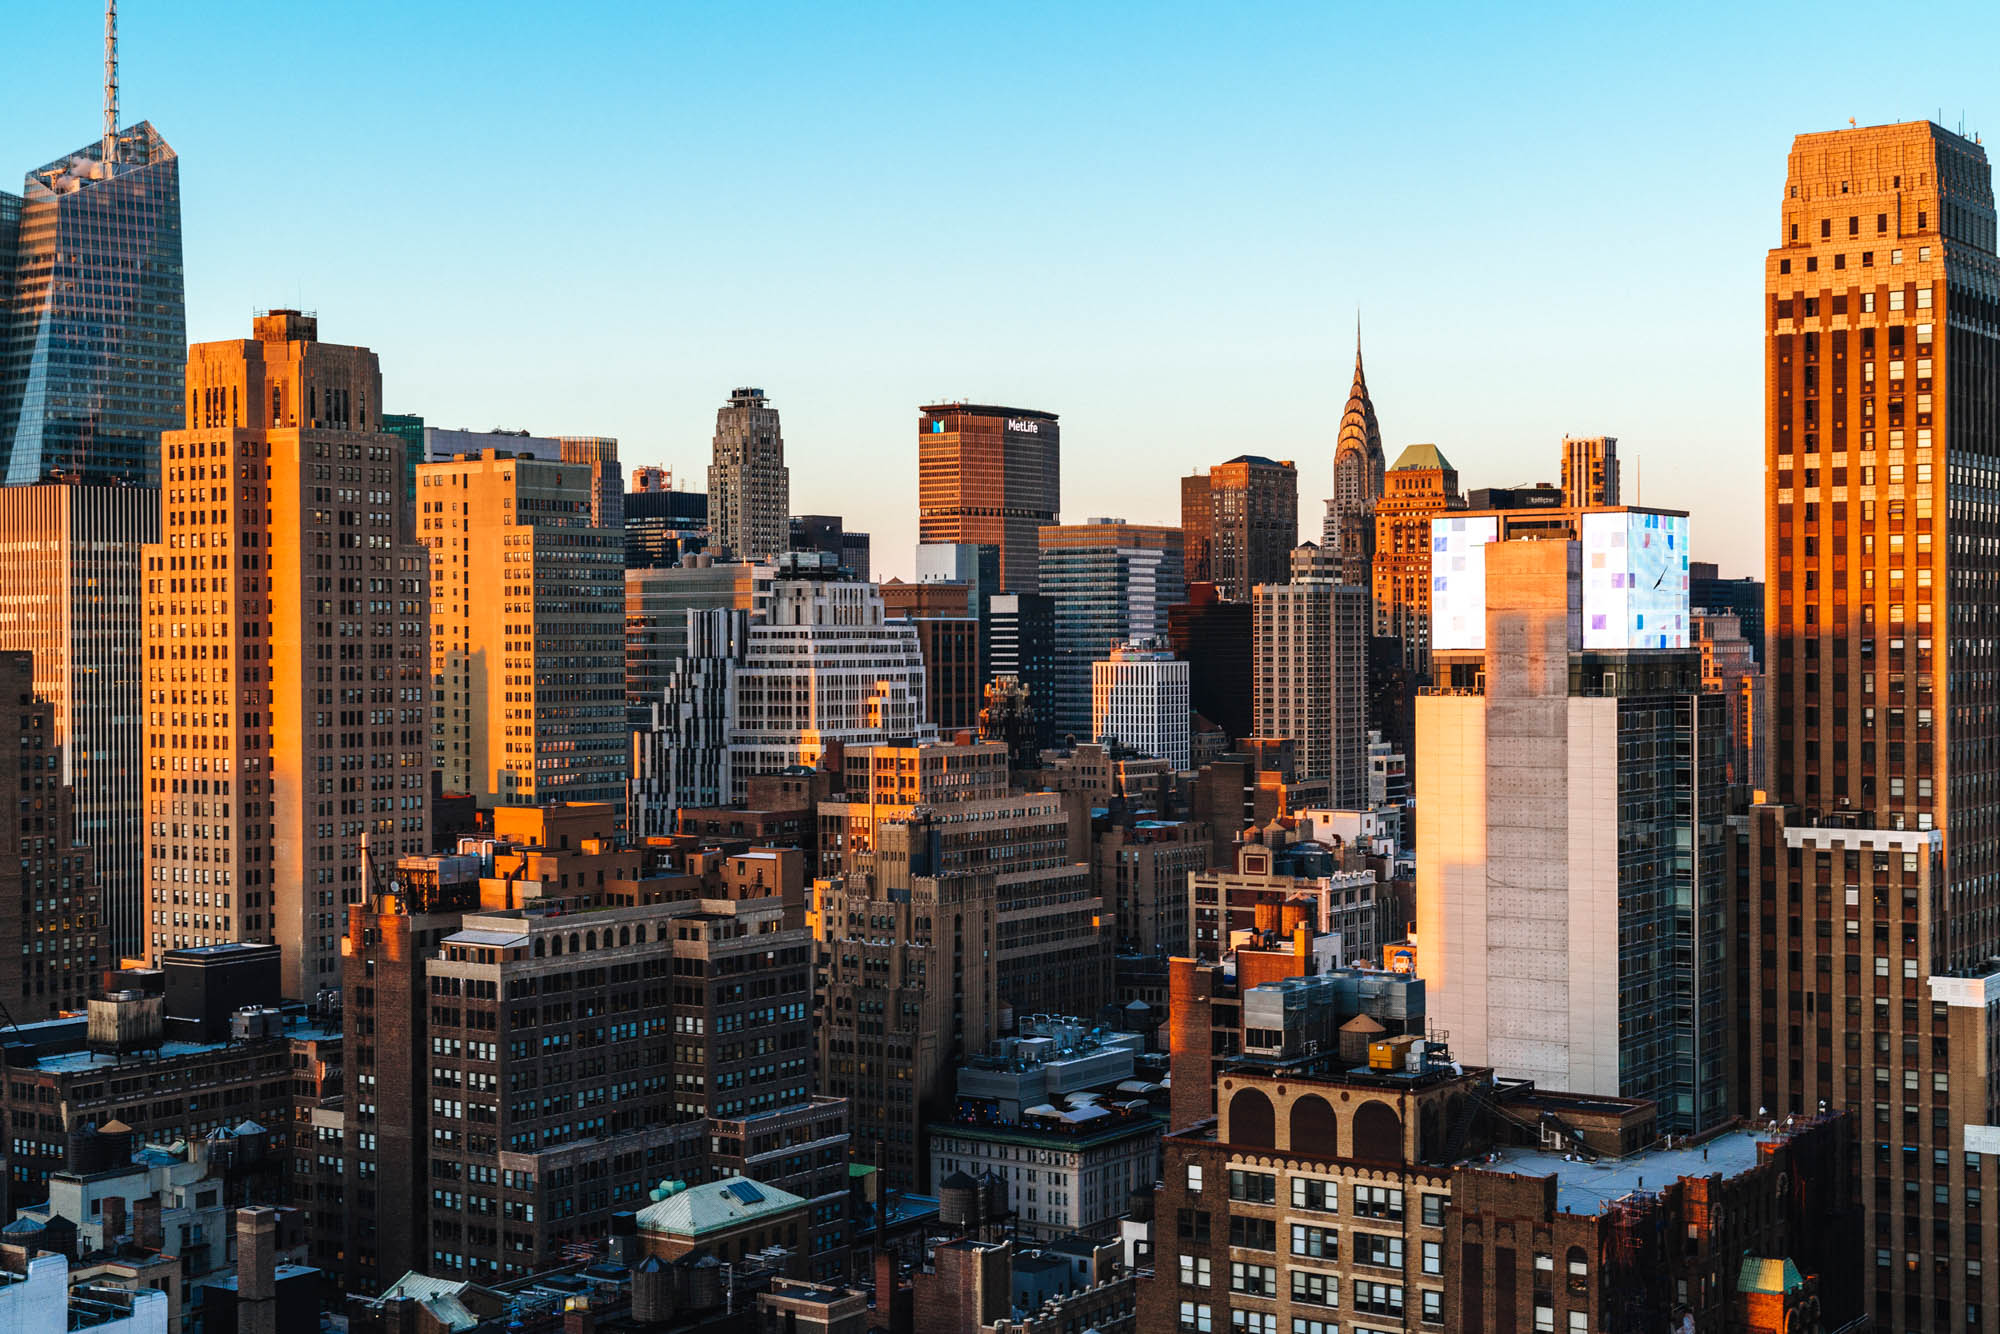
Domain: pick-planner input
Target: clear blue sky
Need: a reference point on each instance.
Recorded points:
(1155, 219)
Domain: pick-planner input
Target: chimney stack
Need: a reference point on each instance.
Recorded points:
(257, 1270)
(114, 1220)
(146, 1230)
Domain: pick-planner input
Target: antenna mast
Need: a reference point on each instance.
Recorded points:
(110, 153)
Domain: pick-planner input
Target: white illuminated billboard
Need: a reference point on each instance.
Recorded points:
(1458, 580)
(1635, 580)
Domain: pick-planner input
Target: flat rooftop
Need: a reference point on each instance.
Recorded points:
(1586, 1188)
(84, 1059)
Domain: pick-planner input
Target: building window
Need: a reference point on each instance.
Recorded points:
(1311, 1193)
(1195, 1271)
(1378, 1202)
(1545, 1320)
(1253, 1187)
(1194, 1176)
(1433, 1308)
(1371, 1248)
(1433, 1258)
(1253, 1280)
(1197, 1318)
(1433, 1211)
(1319, 1243)
(1254, 1322)
(1379, 1299)
(1316, 1289)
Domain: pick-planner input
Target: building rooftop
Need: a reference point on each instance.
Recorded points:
(1587, 1188)
(1420, 456)
(82, 1059)
(716, 1206)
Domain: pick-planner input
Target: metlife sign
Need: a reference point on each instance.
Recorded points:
(1024, 426)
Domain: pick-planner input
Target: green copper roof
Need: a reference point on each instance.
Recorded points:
(1421, 456)
(1761, 1275)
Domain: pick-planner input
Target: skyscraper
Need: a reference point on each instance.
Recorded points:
(1348, 536)
(989, 475)
(93, 328)
(527, 629)
(1571, 774)
(1590, 471)
(287, 662)
(1871, 884)
(1248, 511)
(51, 940)
(1139, 701)
(1311, 675)
(749, 486)
(1108, 582)
(1422, 485)
(73, 598)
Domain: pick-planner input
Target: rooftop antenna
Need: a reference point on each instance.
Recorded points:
(110, 152)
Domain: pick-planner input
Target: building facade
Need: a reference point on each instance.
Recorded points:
(74, 599)
(527, 637)
(285, 716)
(1310, 646)
(749, 486)
(1139, 701)
(990, 476)
(1570, 850)
(93, 332)
(1246, 511)
(1590, 471)
(1348, 535)
(1421, 486)
(1108, 582)
(1215, 638)
(1869, 887)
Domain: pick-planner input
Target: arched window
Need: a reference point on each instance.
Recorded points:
(541, 947)
(1252, 1120)
(1315, 1128)
(1378, 1133)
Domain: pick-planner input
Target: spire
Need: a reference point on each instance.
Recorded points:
(1357, 343)
(110, 150)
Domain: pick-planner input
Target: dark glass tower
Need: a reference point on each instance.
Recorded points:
(93, 326)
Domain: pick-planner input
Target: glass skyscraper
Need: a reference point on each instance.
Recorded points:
(93, 326)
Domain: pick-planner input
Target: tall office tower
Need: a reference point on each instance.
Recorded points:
(948, 634)
(657, 604)
(947, 897)
(1349, 534)
(1871, 883)
(749, 486)
(1197, 530)
(1422, 485)
(1108, 582)
(1311, 656)
(73, 598)
(1139, 701)
(607, 484)
(1248, 512)
(409, 428)
(1021, 645)
(664, 528)
(829, 534)
(52, 946)
(1729, 668)
(93, 324)
(1590, 471)
(1214, 638)
(976, 566)
(527, 635)
(286, 715)
(991, 476)
(1570, 771)
(1743, 598)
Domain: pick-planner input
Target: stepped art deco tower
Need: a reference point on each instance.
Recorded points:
(1868, 916)
(1348, 534)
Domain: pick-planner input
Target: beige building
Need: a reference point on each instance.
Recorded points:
(286, 673)
(1310, 666)
(527, 630)
(1590, 471)
(749, 486)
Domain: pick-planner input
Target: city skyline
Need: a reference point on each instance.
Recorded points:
(1201, 231)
